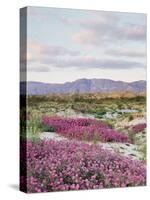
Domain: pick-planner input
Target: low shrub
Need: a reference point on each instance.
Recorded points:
(138, 128)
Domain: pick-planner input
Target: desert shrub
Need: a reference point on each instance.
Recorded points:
(46, 128)
(132, 137)
(102, 112)
(130, 118)
(110, 123)
(138, 128)
(33, 126)
(98, 116)
(143, 149)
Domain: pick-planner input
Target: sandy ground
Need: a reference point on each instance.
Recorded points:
(71, 113)
(51, 136)
(137, 121)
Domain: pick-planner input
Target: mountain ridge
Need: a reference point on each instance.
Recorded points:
(82, 86)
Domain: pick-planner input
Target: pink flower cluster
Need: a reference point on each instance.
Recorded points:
(84, 129)
(138, 128)
(58, 166)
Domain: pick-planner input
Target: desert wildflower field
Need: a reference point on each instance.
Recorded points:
(83, 141)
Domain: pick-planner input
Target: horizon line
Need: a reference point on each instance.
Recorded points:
(86, 79)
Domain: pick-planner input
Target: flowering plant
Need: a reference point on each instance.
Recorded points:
(138, 128)
(84, 129)
(57, 166)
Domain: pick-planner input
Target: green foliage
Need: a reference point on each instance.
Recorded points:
(143, 149)
(45, 128)
(120, 105)
(110, 123)
(94, 104)
(132, 137)
(98, 116)
(85, 103)
(33, 126)
(130, 118)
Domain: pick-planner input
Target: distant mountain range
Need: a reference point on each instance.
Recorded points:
(84, 86)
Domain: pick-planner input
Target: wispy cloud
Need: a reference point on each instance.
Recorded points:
(127, 52)
(108, 27)
(38, 68)
(92, 62)
(89, 40)
(83, 63)
(50, 50)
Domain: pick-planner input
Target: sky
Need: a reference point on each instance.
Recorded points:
(67, 44)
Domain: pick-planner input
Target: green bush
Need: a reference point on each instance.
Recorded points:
(130, 118)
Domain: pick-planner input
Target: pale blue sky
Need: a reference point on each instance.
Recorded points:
(67, 44)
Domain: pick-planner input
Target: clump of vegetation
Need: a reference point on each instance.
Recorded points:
(130, 118)
(85, 103)
(81, 128)
(132, 137)
(143, 149)
(62, 165)
(138, 128)
(54, 164)
(33, 126)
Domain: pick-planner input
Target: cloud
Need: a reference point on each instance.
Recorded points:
(86, 37)
(38, 68)
(58, 51)
(127, 52)
(43, 58)
(40, 56)
(109, 28)
(86, 62)
(50, 50)
(109, 34)
(131, 32)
